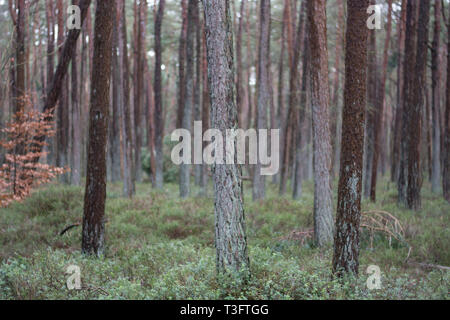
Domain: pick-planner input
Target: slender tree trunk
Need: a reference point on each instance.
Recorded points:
(436, 100)
(370, 112)
(294, 58)
(205, 109)
(62, 121)
(125, 106)
(181, 63)
(301, 125)
(280, 90)
(95, 196)
(114, 124)
(198, 84)
(239, 71)
(54, 90)
(400, 97)
(409, 64)
(76, 123)
(446, 136)
(230, 240)
(336, 87)
(320, 96)
(189, 94)
(379, 115)
(346, 242)
(264, 84)
(159, 121)
(21, 94)
(412, 177)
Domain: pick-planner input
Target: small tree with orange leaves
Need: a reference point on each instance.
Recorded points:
(22, 171)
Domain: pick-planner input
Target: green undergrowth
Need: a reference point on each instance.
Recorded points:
(161, 247)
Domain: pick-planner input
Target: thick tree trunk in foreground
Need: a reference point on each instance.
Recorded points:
(320, 96)
(446, 136)
(264, 98)
(159, 122)
(95, 194)
(188, 102)
(346, 242)
(230, 240)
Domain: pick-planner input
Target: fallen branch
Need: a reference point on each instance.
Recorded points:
(69, 228)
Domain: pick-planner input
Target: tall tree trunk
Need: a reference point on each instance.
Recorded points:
(230, 240)
(294, 58)
(301, 125)
(189, 94)
(264, 98)
(181, 63)
(336, 87)
(54, 89)
(320, 96)
(379, 112)
(436, 100)
(139, 88)
(239, 71)
(114, 120)
(412, 115)
(21, 94)
(446, 136)
(159, 121)
(280, 89)
(205, 108)
(370, 111)
(62, 121)
(409, 64)
(95, 196)
(125, 106)
(76, 123)
(198, 83)
(400, 96)
(346, 242)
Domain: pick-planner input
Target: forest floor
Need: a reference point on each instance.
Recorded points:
(161, 247)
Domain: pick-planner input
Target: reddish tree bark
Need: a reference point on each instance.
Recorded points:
(95, 195)
(346, 241)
